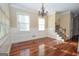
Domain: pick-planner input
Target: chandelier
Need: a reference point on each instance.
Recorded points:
(43, 12)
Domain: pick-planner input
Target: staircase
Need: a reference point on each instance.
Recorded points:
(58, 37)
(60, 33)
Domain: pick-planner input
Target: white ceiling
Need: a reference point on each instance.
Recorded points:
(74, 7)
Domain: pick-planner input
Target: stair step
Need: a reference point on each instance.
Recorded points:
(57, 36)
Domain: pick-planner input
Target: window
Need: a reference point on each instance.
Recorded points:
(23, 22)
(41, 24)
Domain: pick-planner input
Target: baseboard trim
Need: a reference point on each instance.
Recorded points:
(29, 40)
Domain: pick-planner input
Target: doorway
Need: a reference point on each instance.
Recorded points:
(75, 30)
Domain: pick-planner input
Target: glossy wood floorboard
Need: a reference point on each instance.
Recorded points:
(44, 47)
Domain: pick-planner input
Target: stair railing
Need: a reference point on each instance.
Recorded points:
(62, 32)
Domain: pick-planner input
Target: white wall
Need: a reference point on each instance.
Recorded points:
(51, 25)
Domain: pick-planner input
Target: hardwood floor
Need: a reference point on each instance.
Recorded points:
(44, 47)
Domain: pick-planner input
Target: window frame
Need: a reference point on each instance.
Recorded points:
(19, 23)
(41, 25)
